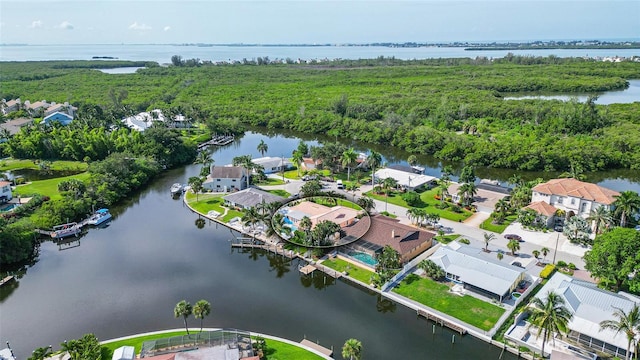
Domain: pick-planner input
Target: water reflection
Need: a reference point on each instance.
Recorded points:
(317, 279)
(384, 305)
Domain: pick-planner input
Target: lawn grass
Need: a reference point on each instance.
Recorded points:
(488, 225)
(208, 202)
(292, 174)
(428, 202)
(276, 350)
(13, 164)
(354, 271)
(435, 295)
(48, 187)
(322, 200)
(269, 181)
(280, 192)
(446, 238)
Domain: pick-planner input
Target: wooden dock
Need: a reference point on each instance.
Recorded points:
(442, 322)
(217, 140)
(317, 347)
(272, 248)
(308, 269)
(6, 279)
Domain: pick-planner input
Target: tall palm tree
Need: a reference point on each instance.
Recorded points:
(250, 217)
(305, 225)
(352, 349)
(347, 159)
(184, 309)
(600, 218)
(388, 184)
(263, 147)
(412, 214)
(204, 158)
(467, 191)
(196, 185)
(514, 246)
(626, 204)
(297, 158)
(501, 208)
(246, 162)
(366, 203)
(487, 238)
(545, 251)
(374, 160)
(201, 309)
(443, 189)
(549, 315)
(628, 323)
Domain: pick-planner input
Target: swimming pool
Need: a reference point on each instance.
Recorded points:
(289, 224)
(8, 207)
(363, 258)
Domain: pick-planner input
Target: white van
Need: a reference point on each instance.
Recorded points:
(339, 184)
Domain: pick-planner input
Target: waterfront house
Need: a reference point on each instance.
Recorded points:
(273, 164)
(589, 305)
(143, 120)
(406, 179)
(14, 126)
(250, 197)
(571, 196)
(60, 117)
(309, 164)
(340, 215)
(478, 271)
(226, 178)
(5, 191)
(65, 108)
(408, 241)
(37, 107)
(11, 106)
(487, 195)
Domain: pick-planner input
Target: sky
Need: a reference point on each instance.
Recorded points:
(313, 21)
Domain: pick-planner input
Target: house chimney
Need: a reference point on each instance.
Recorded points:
(393, 234)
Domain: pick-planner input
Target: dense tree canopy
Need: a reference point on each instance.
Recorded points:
(615, 259)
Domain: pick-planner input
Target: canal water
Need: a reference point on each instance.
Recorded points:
(127, 277)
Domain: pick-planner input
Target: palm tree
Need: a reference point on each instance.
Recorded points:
(514, 246)
(626, 204)
(184, 309)
(263, 147)
(201, 309)
(501, 208)
(250, 217)
(600, 218)
(628, 323)
(536, 254)
(366, 203)
(467, 191)
(388, 184)
(349, 157)
(352, 349)
(297, 158)
(487, 238)
(545, 251)
(246, 163)
(305, 225)
(374, 160)
(196, 185)
(500, 255)
(443, 189)
(549, 315)
(412, 214)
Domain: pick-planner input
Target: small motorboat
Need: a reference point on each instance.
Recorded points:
(64, 230)
(176, 189)
(100, 216)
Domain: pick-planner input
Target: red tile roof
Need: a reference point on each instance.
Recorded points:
(542, 208)
(579, 189)
(402, 238)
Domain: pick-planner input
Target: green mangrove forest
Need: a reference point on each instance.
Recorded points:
(453, 109)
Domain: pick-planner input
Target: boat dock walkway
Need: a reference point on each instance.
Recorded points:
(317, 347)
(441, 321)
(217, 140)
(6, 280)
(272, 248)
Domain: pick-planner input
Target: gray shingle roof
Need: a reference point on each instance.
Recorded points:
(227, 172)
(252, 197)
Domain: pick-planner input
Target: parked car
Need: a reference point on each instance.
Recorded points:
(558, 228)
(513, 237)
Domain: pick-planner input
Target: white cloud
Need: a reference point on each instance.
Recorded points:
(65, 25)
(36, 24)
(167, 28)
(141, 27)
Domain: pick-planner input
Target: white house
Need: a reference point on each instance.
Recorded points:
(63, 108)
(273, 164)
(407, 180)
(11, 106)
(573, 196)
(5, 191)
(478, 271)
(589, 305)
(143, 120)
(226, 178)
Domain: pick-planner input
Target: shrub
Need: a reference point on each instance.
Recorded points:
(464, 241)
(562, 264)
(572, 266)
(548, 270)
(412, 198)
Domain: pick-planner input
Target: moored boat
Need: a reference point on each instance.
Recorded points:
(100, 216)
(176, 189)
(65, 230)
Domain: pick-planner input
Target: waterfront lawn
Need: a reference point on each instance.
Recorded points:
(428, 201)
(292, 174)
(275, 349)
(435, 295)
(279, 192)
(48, 187)
(14, 164)
(487, 225)
(208, 202)
(356, 272)
(270, 181)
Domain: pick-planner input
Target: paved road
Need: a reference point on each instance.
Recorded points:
(566, 251)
